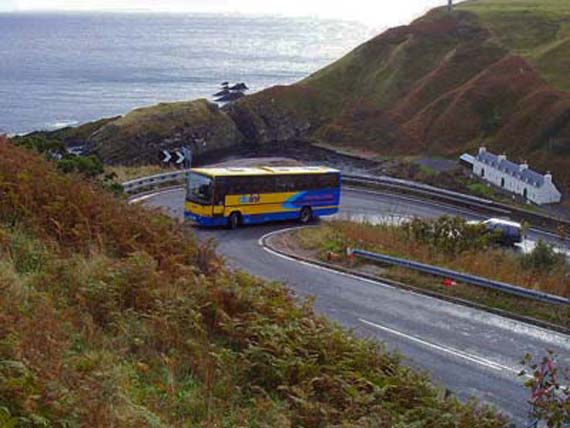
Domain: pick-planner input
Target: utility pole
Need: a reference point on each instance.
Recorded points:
(450, 6)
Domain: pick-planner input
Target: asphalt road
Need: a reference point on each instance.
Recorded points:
(471, 352)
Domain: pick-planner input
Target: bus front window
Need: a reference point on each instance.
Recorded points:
(199, 189)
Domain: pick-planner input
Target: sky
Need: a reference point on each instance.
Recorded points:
(376, 13)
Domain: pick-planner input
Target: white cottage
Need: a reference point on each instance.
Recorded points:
(512, 177)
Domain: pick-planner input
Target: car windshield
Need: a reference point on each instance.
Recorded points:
(199, 189)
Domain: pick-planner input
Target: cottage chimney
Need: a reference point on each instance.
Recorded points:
(482, 150)
(548, 177)
(502, 157)
(523, 166)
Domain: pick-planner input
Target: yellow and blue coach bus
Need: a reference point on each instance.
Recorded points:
(238, 196)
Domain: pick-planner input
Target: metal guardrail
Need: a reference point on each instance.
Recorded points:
(143, 183)
(462, 277)
(419, 186)
(157, 180)
(424, 190)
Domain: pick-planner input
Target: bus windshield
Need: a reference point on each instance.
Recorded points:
(199, 189)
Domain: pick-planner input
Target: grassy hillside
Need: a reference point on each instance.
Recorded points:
(493, 72)
(115, 316)
(539, 31)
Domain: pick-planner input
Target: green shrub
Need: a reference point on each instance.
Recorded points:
(480, 189)
(41, 144)
(26, 253)
(90, 166)
(449, 235)
(543, 258)
(549, 390)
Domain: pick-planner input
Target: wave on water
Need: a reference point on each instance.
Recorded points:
(61, 124)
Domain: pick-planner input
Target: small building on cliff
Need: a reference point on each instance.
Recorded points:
(518, 179)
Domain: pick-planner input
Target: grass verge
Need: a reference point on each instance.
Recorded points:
(329, 241)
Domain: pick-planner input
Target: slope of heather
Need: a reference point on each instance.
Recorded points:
(111, 315)
(449, 82)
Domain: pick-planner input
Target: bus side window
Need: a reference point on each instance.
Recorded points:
(283, 184)
(305, 182)
(260, 184)
(328, 181)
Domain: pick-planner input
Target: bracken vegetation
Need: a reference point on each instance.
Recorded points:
(111, 315)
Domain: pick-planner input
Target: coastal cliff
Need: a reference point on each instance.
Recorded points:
(492, 72)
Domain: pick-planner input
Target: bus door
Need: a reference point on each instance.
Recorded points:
(219, 200)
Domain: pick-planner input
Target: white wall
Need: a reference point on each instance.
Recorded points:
(545, 194)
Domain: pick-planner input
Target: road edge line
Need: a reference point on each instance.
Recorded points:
(385, 282)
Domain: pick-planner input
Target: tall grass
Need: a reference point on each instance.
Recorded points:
(126, 173)
(491, 262)
(115, 316)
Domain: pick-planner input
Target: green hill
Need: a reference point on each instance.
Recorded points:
(539, 31)
(493, 72)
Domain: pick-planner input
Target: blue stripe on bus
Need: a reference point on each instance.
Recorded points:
(257, 218)
(205, 221)
(313, 198)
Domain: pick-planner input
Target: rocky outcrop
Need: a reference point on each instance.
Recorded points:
(141, 135)
(277, 114)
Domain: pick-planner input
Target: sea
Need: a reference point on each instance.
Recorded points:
(65, 69)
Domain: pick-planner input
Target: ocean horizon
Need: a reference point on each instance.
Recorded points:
(64, 69)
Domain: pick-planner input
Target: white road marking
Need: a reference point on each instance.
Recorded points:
(153, 195)
(312, 265)
(446, 349)
(555, 339)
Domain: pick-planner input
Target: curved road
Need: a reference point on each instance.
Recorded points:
(471, 352)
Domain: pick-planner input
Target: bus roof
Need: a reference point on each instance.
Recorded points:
(263, 170)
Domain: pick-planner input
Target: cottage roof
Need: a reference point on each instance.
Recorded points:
(527, 175)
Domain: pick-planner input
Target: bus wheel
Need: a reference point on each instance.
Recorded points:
(234, 220)
(306, 215)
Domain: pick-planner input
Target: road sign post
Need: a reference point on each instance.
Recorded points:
(187, 163)
(187, 153)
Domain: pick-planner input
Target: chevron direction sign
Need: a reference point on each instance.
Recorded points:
(179, 157)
